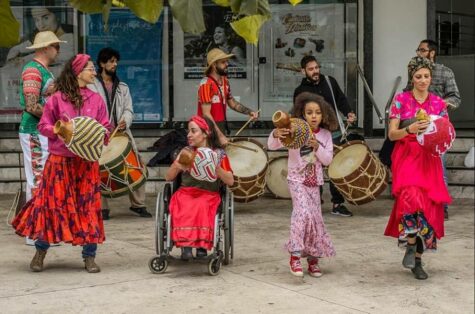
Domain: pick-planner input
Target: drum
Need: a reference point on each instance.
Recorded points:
(84, 136)
(276, 177)
(438, 137)
(357, 173)
(121, 168)
(249, 169)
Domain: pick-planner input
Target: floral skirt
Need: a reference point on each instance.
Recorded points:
(66, 207)
(308, 234)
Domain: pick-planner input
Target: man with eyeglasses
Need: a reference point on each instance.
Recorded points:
(36, 84)
(443, 85)
(117, 97)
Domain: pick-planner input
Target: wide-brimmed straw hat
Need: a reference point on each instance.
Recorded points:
(214, 55)
(44, 39)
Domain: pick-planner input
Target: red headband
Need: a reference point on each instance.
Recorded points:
(79, 63)
(201, 123)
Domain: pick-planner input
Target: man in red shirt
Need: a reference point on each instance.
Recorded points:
(214, 94)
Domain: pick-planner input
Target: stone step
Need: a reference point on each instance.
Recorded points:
(454, 159)
(456, 175)
(154, 186)
(462, 144)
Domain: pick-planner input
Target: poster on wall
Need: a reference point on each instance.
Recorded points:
(140, 46)
(218, 34)
(32, 19)
(316, 30)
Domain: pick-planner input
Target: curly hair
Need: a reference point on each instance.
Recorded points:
(67, 84)
(329, 121)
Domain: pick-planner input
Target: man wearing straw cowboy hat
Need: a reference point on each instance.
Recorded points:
(36, 84)
(214, 93)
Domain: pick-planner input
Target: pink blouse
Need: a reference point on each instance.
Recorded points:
(405, 106)
(297, 164)
(57, 108)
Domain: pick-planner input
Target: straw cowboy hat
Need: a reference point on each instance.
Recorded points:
(44, 39)
(216, 55)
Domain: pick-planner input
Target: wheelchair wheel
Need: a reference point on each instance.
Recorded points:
(157, 265)
(214, 266)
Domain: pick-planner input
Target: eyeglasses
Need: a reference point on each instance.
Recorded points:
(423, 50)
(91, 69)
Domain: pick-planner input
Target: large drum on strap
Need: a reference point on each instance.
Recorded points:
(276, 177)
(121, 168)
(249, 168)
(357, 173)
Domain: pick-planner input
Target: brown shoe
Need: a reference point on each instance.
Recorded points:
(90, 265)
(36, 264)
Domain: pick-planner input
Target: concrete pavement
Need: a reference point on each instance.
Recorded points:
(366, 276)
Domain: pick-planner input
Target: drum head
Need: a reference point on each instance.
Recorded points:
(346, 161)
(246, 163)
(117, 146)
(276, 177)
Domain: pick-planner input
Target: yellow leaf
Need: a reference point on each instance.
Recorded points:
(222, 3)
(248, 27)
(189, 13)
(147, 10)
(10, 34)
(295, 2)
(87, 6)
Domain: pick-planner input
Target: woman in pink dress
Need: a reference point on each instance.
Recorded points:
(418, 182)
(308, 235)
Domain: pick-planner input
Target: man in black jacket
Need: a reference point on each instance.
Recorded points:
(327, 87)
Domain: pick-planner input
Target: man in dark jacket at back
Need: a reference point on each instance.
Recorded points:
(328, 88)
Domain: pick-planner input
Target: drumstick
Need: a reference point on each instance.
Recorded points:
(243, 147)
(245, 124)
(113, 133)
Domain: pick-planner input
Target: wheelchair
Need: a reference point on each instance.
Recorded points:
(223, 248)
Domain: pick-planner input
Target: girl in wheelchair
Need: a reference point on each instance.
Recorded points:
(203, 167)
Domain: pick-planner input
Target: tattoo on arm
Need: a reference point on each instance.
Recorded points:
(32, 106)
(241, 108)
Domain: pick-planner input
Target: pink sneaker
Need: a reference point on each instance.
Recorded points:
(296, 266)
(313, 269)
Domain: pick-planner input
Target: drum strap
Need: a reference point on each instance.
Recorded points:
(223, 103)
(338, 116)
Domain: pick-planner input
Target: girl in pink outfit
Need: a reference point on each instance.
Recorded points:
(308, 235)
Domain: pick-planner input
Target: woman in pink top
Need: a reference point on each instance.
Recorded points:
(418, 182)
(308, 235)
(67, 205)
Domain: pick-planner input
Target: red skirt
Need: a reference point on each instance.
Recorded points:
(193, 212)
(67, 204)
(418, 186)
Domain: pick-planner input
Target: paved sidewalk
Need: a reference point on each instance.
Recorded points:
(366, 276)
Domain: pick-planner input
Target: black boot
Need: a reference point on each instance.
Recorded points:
(105, 214)
(186, 253)
(418, 271)
(409, 260)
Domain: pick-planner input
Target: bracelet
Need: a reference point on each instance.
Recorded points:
(407, 130)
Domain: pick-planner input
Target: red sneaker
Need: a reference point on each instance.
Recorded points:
(313, 269)
(296, 266)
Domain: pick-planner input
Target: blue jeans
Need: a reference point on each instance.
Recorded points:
(446, 180)
(88, 250)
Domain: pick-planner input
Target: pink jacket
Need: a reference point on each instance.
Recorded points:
(297, 164)
(57, 108)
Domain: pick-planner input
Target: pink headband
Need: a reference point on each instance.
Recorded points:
(79, 63)
(201, 123)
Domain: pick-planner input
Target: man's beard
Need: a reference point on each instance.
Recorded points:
(314, 79)
(222, 72)
(110, 72)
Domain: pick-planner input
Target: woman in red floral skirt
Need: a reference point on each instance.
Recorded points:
(67, 205)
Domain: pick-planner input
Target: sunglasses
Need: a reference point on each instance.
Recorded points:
(422, 50)
(55, 46)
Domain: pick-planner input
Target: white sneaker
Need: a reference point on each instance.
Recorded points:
(30, 241)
